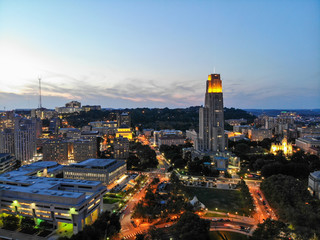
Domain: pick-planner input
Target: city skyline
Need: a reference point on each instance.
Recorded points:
(152, 54)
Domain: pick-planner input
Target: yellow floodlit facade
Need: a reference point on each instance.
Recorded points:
(284, 146)
(214, 83)
(124, 132)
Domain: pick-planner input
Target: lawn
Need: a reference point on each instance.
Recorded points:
(111, 198)
(230, 236)
(218, 199)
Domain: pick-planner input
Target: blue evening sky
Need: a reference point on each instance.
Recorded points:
(159, 53)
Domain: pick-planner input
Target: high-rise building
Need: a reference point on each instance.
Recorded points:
(25, 139)
(211, 136)
(66, 151)
(121, 148)
(73, 104)
(124, 119)
(18, 136)
(7, 141)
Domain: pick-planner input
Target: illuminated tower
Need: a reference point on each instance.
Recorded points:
(211, 119)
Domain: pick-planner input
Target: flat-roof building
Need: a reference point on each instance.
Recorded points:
(7, 162)
(314, 184)
(56, 200)
(104, 170)
(310, 144)
(121, 148)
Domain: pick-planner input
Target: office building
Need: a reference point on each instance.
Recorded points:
(211, 136)
(73, 133)
(65, 151)
(309, 144)
(88, 108)
(25, 131)
(104, 170)
(124, 119)
(56, 150)
(314, 184)
(7, 141)
(125, 132)
(7, 162)
(73, 104)
(121, 148)
(59, 201)
(66, 110)
(259, 134)
(19, 137)
(167, 132)
(171, 140)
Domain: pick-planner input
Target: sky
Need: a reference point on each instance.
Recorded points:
(127, 54)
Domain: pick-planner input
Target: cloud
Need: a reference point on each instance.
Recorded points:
(59, 88)
(147, 92)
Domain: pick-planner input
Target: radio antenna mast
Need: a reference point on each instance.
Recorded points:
(40, 102)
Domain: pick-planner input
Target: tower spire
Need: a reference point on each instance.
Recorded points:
(40, 103)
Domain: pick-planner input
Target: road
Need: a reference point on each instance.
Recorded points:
(263, 209)
(127, 228)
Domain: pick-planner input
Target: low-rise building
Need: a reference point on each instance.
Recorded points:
(125, 132)
(56, 200)
(121, 148)
(310, 144)
(104, 170)
(88, 108)
(314, 184)
(171, 140)
(259, 134)
(236, 122)
(7, 162)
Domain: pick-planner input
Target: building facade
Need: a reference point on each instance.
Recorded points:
(56, 200)
(171, 140)
(104, 170)
(314, 184)
(7, 162)
(259, 134)
(66, 151)
(211, 136)
(121, 148)
(310, 144)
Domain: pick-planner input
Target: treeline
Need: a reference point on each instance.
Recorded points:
(293, 204)
(165, 118)
(175, 155)
(246, 196)
(141, 157)
(81, 119)
(299, 165)
(155, 118)
(179, 118)
(189, 227)
(105, 226)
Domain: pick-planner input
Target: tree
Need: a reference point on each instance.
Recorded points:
(27, 224)
(190, 226)
(293, 203)
(140, 236)
(10, 222)
(155, 181)
(242, 148)
(270, 230)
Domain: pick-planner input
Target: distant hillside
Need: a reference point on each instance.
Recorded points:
(180, 118)
(275, 112)
(157, 118)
